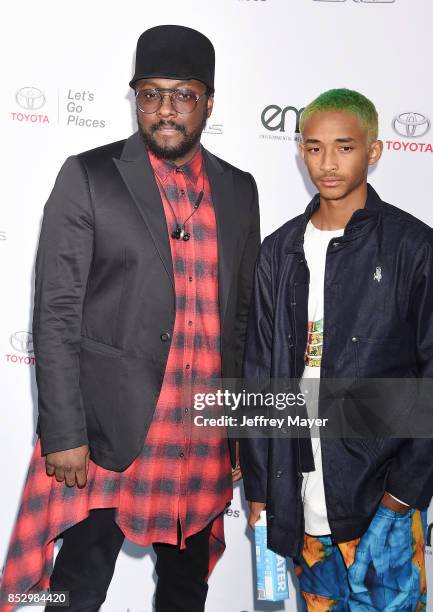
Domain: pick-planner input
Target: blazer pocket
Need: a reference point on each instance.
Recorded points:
(100, 347)
(101, 380)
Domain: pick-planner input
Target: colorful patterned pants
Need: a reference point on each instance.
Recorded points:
(382, 570)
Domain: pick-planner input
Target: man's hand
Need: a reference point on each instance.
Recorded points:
(255, 509)
(390, 502)
(236, 471)
(69, 465)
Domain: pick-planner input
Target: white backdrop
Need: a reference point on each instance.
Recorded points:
(77, 59)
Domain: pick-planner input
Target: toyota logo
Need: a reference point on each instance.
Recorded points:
(30, 98)
(411, 125)
(22, 342)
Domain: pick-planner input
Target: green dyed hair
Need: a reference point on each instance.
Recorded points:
(345, 100)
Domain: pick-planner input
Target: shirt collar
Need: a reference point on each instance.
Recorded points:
(164, 168)
(361, 221)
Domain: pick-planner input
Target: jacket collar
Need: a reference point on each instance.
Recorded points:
(136, 171)
(360, 223)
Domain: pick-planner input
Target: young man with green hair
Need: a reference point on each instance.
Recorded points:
(344, 290)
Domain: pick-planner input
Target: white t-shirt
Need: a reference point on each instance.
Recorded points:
(315, 246)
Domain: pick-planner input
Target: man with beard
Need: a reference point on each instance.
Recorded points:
(143, 281)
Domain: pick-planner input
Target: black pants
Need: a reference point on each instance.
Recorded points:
(85, 565)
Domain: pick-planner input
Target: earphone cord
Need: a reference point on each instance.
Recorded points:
(196, 205)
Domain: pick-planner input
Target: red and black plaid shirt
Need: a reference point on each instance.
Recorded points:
(176, 476)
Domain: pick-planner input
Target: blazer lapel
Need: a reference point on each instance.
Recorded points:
(221, 182)
(136, 171)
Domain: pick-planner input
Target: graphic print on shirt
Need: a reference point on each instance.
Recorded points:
(313, 353)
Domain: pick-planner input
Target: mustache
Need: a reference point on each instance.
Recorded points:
(164, 124)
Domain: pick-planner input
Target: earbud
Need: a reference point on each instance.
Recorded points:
(199, 199)
(180, 234)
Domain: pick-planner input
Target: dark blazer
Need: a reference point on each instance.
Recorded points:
(104, 296)
(374, 329)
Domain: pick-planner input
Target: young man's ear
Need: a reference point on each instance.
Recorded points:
(375, 150)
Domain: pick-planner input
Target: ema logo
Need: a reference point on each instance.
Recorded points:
(30, 99)
(274, 119)
(21, 342)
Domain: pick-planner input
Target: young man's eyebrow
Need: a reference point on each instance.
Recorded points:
(339, 140)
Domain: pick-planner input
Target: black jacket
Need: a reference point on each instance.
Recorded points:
(104, 298)
(372, 329)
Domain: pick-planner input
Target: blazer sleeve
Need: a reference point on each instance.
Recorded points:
(245, 278)
(410, 478)
(257, 372)
(62, 266)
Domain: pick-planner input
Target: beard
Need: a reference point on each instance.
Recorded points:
(171, 152)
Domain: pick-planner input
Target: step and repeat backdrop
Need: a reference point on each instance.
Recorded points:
(65, 89)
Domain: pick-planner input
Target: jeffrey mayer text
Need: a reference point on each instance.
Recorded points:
(258, 421)
(290, 421)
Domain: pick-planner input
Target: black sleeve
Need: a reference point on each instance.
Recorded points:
(257, 369)
(245, 277)
(62, 265)
(410, 478)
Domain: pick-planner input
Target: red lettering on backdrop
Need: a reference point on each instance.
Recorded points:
(21, 359)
